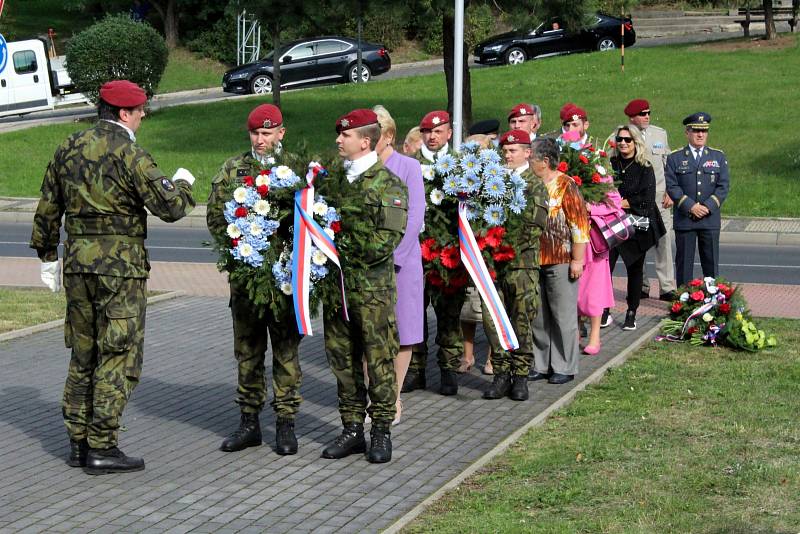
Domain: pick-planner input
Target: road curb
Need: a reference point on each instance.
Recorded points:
(35, 329)
(501, 447)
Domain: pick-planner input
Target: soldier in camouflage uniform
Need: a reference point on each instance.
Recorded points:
(374, 206)
(518, 280)
(436, 134)
(100, 180)
(252, 327)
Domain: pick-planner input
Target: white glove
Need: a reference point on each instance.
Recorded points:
(51, 275)
(183, 174)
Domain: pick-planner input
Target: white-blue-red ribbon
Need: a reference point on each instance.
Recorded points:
(476, 267)
(306, 232)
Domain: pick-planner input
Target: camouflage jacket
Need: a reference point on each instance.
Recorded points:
(523, 231)
(374, 211)
(101, 182)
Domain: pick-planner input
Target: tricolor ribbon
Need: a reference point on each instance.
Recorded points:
(476, 267)
(699, 312)
(306, 232)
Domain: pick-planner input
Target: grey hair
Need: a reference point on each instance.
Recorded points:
(538, 111)
(545, 147)
(640, 156)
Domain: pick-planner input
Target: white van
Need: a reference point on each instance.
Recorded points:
(31, 81)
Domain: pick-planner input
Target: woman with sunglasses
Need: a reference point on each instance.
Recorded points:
(637, 186)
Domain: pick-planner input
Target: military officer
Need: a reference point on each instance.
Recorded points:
(527, 117)
(374, 207)
(655, 138)
(518, 280)
(101, 181)
(487, 130)
(436, 134)
(575, 119)
(697, 182)
(252, 327)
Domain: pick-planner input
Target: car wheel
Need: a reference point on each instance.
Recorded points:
(515, 56)
(365, 73)
(261, 85)
(606, 43)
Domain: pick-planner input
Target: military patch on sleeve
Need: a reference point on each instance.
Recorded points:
(167, 184)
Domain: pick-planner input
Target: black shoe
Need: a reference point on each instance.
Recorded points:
(350, 441)
(630, 320)
(449, 383)
(247, 435)
(113, 460)
(606, 319)
(285, 440)
(519, 388)
(77, 453)
(536, 375)
(380, 448)
(557, 378)
(499, 387)
(667, 297)
(413, 380)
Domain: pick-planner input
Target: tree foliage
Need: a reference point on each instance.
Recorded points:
(113, 49)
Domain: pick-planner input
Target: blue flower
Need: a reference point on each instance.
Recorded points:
(518, 203)
(280, 273)
(470, 163)
(494, 187)
(318, 272)
(331, 216)
(488, 155)
(471, 182)
(494, 215)
(517, 181)
(450, 185)
(230, 208)
(468, 146)
(493, 170)
(445, 164)
(472, 211)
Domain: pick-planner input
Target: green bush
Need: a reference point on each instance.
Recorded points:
(218, 43)
(480, 23)
(116, 48)
(382, 26)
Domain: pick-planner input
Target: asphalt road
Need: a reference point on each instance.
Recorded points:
(743, 263)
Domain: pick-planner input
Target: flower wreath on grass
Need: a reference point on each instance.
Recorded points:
(492, 195)
(711, 312)
(586, 166)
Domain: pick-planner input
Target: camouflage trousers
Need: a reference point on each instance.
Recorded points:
(449, 336)
(519, 292)
(371, 335)
(104, 327)
(250, 337)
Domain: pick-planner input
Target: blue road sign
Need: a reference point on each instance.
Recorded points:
(3, 53)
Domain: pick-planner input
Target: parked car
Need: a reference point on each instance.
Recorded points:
(552, 38)
(321, 59)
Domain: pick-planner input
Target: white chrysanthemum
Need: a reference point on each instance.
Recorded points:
(329, 232)
(245, 250)
(712, 289)
(233, 231)
(319, 257)
(436, 197)
(261, 207)
(286, 287)
(684, 297)
(600, 170)
(263, 179)
(283, 172)
(709, 280)
(320, 208)
(427, 172)
(256, 229)
(240, 195)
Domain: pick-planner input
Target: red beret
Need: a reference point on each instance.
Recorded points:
(515, 137)
(634, 107)
(570, 112)
(521, 110)
(434, 119)
(122, 94)
(264, 116)
(356, 119)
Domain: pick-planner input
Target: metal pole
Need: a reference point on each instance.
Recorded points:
(622, 41)
(458, 73)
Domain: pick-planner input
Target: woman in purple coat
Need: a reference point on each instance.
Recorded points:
(407, 257)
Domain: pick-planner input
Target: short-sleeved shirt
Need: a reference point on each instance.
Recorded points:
(567, 221)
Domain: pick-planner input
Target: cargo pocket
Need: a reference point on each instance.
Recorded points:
(394, 214)
(120, 328)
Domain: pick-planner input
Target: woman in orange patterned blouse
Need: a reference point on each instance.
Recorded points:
(563, 245)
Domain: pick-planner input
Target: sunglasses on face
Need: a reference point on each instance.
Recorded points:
(621, 139)
(644, 113)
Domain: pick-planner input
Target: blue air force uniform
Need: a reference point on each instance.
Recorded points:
(696, 176)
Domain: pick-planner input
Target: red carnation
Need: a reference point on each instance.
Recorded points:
(698, 296)
(241, 211)
(234, 243)
(577, 180)
(265, 172)
(450, 257)
(583, 159)
(562, 167)
(263, 190)
(603, 154)
(692, 330)
(429, 250)
(676, 308)
(590, 148)
(504, 253)
(596, 178)
(696, 283)
(494, 236)
(728, 292)
(336, 226)
(725, 308)
(248, 181)
(481, 241)
(492, 275)
(435, 279)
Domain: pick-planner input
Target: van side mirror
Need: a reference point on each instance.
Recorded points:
(286, 59)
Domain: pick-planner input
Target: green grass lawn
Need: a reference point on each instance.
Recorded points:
(187, 71)
(680, 439)
(748, 93)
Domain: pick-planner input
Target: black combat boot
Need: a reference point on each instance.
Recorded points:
(77, 453)
(285, 440)
(350, 441)
(499, 387)
(247, 435)
(413, 380)
(519, 388)
(380, 449)
(449, 383)
(113, 460)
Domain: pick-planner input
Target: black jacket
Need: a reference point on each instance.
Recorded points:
(637, 185)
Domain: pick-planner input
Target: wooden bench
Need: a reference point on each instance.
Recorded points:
(788, 14)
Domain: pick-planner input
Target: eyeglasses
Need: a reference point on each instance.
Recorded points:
(621, 139)
(698, 130)
(644, 113)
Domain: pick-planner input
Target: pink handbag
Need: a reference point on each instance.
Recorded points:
(609, 231)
